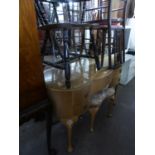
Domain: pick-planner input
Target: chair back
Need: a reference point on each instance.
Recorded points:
(96, 12)
(106, 12)
(69, 103)
(100, 81)
(118, 11)
(46, 12)
(41, 13)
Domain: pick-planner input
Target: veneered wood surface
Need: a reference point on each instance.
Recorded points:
(116, 77)
(70, 103)
(31, 81)
(100, 81)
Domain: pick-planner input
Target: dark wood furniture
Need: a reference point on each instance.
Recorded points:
(32, 91)
(62, 35)
(67, 12)
(111, 17)
(66, 52)
(31, 80)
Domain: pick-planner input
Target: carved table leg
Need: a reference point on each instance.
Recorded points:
(69, 124)
(93, 112)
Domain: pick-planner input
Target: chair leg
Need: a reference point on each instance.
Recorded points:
(69, 124)
(109, 47)
(93, 112)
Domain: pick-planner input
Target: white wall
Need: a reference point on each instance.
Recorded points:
(131, 24)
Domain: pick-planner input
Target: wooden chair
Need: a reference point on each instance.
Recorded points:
(69, 105)
(99, 92)
(33, 99)
(66, 39)
(111, 18)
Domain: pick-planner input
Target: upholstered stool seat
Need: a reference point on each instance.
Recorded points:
(99, 97)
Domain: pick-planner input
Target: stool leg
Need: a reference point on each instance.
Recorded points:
(93, 112)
